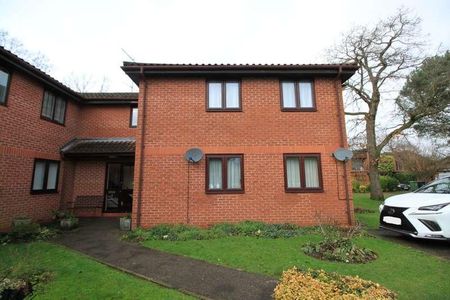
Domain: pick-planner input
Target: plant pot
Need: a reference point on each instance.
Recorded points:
(68, 224)
(125, 224)
(21, 221)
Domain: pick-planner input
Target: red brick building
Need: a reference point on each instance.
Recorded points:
(267, 133)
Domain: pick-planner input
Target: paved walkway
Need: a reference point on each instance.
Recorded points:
(99, 238)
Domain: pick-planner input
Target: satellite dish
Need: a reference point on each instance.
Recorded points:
(342, 154)
(193, 155)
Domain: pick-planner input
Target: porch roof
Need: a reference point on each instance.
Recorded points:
(99, 147)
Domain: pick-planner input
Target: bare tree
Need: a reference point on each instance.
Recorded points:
(86, 83)
(386, 53)
(12, 44)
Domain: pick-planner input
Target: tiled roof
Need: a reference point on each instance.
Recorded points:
(135, 70)
(99, 146)
(110, 96)
(250, 66)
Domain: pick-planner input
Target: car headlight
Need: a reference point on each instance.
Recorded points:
(434, 207)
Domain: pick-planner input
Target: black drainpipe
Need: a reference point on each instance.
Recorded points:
(342, 144)
(142, 149)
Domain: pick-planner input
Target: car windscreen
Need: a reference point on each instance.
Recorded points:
(441, 186)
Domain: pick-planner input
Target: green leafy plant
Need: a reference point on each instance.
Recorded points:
(388, 183)
(338, 245)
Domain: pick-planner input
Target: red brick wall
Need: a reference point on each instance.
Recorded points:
(105, 121)
(23, 137)
(176, 120)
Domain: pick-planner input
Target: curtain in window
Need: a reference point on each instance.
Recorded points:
(48, 105)
(215, 174)
(232, 94)
(134, 117)
(234, 173)
(60, 109)
(3, 84)
(288, 94)
(293, 172)
(215, 95)
(311, 172)
(306, 99)
(39, 172)
(52, 175)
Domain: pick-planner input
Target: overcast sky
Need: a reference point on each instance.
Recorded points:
(85, 37)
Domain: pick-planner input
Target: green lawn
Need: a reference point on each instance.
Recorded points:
(412, 274)
(78, 277)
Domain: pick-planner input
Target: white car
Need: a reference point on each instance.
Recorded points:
(424, 213)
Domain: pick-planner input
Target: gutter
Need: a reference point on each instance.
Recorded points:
(142, 149)
(342, 144)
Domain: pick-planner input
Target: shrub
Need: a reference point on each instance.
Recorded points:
(388, 183)
(363, 188)
(24, 232)
(356, 186)
(311, 284)
(337, 245)
(15, 285)
(405, 177)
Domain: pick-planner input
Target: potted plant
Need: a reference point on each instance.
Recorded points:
(125, 223)
(68, 221)
(20, 221)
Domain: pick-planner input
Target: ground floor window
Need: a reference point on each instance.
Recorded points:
(302, 173)
(225, 173)
(45, 176)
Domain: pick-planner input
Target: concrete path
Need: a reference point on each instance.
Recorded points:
(100, 239)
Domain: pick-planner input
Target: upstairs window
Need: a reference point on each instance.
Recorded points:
(223, 96)
(4, 85)
(53, 108)
(45, 176)
(224, 173)
(302, 173)
(134, 117)
(297, 96)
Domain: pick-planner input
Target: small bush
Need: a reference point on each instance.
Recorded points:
(29, 232)
(337, 245)
(360, 210)
(15, 285)
(405, 177)
(356, 186)
(388, 183)
(184, 232)
(320, 285)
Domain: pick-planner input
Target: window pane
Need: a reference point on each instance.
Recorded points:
(60, 109)
(232, 93)
(48, 105)
(234, 173)
(38, 176)
(215, 173)
(288, 94)
(293, 172)
(215, 95)
(4, 77)
(52, 175)
(306, 99)
(134, 117)
(311, 172)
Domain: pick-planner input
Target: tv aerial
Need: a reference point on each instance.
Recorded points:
(342, 154)
(193, 155)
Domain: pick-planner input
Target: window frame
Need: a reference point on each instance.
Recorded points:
(52, 119)
(8, 84)
(47, 164)
(224, 158)
(224, 96)
(303, 188)
(131, 116)
(297, 96)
